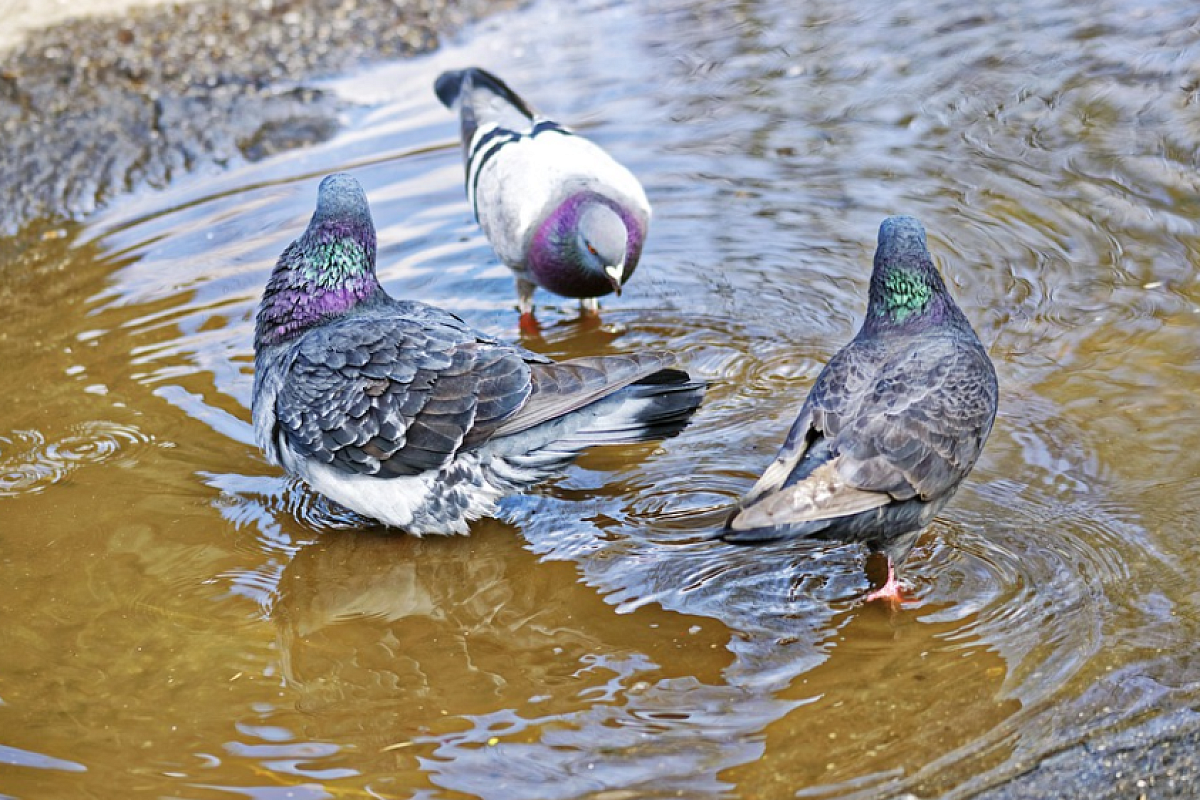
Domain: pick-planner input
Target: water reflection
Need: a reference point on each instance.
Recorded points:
(464, 659)
(28, 463)
(935, 676)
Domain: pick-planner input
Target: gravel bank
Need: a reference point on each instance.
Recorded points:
(94, 107)
(1157, 760)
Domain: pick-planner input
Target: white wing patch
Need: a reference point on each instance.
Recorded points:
(822, 495)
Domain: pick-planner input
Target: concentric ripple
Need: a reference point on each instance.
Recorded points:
(600, 641)
(29, 464)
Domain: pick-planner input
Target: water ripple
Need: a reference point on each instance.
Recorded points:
(30, 464)
(603, 639)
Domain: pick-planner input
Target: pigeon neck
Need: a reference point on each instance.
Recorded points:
(322, 275)
(555, 256)
(906, 295)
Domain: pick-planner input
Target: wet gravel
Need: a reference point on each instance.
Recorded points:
(1156, 760)
(95, 107)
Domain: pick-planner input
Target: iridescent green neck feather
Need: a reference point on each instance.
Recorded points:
(327, 271)
(906, 288)
(905, 293)
(332, 263)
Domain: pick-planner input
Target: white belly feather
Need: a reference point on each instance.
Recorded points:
(401, 502)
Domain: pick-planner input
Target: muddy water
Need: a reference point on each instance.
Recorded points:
(181, 621)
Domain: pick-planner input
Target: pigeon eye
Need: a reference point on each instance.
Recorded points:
(592, 250)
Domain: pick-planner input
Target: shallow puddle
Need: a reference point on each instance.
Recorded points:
(181, 621)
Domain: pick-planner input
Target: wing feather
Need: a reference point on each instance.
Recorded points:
(878, 427)
(563, 387)
(391, 396)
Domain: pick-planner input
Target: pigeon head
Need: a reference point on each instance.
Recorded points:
(327, 271)
(341, 202)
(585, 248)
(601, 243)
(906, 288)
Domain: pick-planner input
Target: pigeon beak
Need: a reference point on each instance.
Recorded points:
(615, 274)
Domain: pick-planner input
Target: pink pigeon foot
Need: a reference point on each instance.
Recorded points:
(529, 325)
(891, 591)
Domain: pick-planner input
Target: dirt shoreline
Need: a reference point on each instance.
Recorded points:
(93, 107)
(21, 16)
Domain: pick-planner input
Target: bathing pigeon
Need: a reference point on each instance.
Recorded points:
(559, 211)
(403, 413)
(892, 425)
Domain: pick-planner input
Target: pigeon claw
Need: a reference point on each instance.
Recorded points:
(891, 592)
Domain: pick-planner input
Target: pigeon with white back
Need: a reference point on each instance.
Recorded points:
(559, 211)
(893, 424)
(403, 413)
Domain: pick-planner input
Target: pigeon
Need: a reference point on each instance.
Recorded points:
(403, 413)
(558, 210)
(893, 424)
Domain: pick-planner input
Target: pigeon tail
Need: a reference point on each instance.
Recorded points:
(773, 533)
(656, 407)
(451, 86)
(487, 107)
(813, 500)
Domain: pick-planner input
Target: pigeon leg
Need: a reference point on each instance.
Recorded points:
(529, 326)
(525, 290)
(890, 592)
(528, 323)
(589, 307)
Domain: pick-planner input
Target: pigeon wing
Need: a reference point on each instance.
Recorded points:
(393, 397)
(790, 499)
(919, 428)
(828, 403)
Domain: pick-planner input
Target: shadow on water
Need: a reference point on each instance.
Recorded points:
(187, 620)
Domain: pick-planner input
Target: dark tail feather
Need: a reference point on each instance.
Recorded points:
(772, 534)
(819, 452)
(450, 87)
(656, 407)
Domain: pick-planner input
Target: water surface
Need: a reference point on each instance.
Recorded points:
(183, 621)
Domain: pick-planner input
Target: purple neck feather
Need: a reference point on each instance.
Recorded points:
(553, 260)
(323, 274)
(910, 299)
